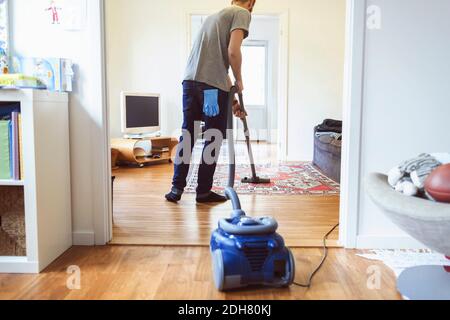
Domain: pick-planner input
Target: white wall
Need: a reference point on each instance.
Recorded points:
(34, 36)
(406, 99)
(146, 50)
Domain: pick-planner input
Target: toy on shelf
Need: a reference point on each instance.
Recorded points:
(4, 61)
(17, 80)
(56, 74)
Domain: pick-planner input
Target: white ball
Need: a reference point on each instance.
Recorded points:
(409, 189)
(399, 187)
(394, 176)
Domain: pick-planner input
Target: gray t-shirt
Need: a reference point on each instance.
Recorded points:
(209, 61)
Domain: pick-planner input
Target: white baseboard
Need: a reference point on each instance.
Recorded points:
(18, 265)
(83, 238)
(388, 242)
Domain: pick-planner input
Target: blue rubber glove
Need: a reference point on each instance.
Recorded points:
(211, 103)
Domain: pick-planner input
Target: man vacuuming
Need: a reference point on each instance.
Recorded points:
(206, 89)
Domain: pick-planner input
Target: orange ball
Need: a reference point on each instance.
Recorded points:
(438, 184)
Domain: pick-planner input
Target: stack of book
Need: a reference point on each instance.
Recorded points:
(11, 157)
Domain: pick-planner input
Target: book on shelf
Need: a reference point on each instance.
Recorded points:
(5, 173)
(22, 175)
(10, 144)
(15, 171)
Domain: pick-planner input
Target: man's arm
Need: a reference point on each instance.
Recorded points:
(235, 56)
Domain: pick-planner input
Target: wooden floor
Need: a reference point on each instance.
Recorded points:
(143, 217)
(131, 272)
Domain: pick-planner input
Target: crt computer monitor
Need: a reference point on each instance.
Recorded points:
(141, 113)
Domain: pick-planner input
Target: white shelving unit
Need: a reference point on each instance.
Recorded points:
(11, 183)
(48, 218)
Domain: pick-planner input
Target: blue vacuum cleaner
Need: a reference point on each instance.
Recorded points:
(248, 251)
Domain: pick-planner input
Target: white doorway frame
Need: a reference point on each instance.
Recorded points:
(352, 115)
(356, 18)
(103, 222)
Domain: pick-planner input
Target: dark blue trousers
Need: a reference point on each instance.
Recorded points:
(193, 103)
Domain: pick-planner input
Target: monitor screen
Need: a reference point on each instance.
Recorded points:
(142, 112)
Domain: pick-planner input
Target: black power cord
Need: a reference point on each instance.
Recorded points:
(324, 258)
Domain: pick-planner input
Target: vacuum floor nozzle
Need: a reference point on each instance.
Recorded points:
(256, 180)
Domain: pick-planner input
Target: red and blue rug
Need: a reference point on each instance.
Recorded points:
(286, 179)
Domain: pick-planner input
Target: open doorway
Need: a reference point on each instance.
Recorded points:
(304, 199)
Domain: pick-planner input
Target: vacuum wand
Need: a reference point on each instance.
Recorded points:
(254, 178)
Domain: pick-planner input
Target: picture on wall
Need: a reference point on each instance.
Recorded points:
(69, 14)
(54, 12)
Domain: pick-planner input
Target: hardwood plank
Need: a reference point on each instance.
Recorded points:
(134, 272)
(143, 217)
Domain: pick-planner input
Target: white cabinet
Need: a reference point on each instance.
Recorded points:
(46, 183)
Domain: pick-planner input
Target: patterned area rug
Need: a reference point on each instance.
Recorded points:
(286, 179)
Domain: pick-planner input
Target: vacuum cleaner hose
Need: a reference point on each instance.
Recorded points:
(229, 191)
(230, 139)
(232, 195)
